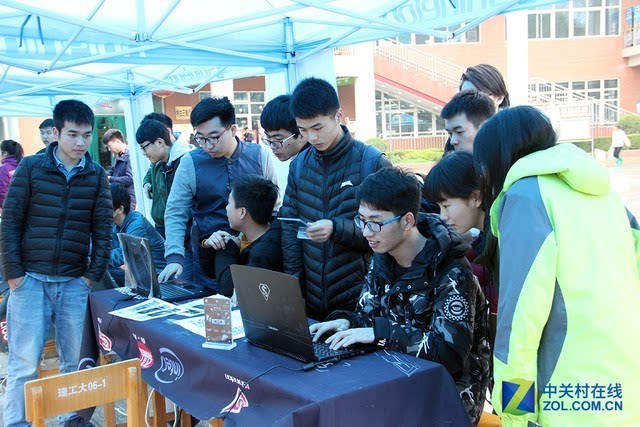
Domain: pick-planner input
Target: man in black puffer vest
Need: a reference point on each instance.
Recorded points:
(55, 239)
(321, 191)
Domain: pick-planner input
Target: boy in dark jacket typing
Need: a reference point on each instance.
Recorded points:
(419, 296)
(55, 239)
(249, 210)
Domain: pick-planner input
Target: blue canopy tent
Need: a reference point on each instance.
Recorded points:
(102, 50)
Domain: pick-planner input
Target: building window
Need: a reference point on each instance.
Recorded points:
(577, 18)
(604, 93)
(204, 94)
(469, 36)
(398, 118)
(248, 107)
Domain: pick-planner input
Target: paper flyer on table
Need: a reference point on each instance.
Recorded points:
(196, 325)
(152, 308)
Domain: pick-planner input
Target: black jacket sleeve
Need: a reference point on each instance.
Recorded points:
(101, 228)
(291, 245)
(224, 259)
(12, 226)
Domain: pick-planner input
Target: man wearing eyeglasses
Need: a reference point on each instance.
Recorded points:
(420, 296)
(202, 185)
(282, 135)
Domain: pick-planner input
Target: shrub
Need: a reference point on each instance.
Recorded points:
(630, 124)
(415, 156)
(378, 143)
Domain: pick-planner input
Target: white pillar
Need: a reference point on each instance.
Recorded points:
(517, 58)
(222, 88)
(365, 93)
(134, 111)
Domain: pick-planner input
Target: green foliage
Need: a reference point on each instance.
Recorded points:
(378, 143)
(604, 143)
(415, 156)
(630, 124)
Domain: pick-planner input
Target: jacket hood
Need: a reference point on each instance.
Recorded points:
(178, 150)
(568, 162)
(443, 244)
(449, 243)
(10, 160)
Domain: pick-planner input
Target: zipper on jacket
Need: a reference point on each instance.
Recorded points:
(61, 222)
(325, 201)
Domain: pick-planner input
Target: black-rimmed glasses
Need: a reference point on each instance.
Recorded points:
(210, 140)
(277, 144)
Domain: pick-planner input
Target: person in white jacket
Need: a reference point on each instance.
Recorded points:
(619, 139)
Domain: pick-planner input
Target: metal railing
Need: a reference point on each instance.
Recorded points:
(413, 58)
(545, 92)
(343, 50)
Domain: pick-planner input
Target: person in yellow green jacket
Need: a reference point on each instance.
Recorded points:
(566, 351)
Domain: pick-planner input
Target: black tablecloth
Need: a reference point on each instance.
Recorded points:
(382, 388)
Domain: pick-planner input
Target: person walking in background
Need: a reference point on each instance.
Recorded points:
(11, 153)
(120, 170)
(619, 139)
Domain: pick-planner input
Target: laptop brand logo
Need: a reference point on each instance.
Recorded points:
(265, 291)
(171, 368)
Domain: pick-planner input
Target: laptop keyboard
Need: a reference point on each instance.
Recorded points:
(173, 291)
(322, 350)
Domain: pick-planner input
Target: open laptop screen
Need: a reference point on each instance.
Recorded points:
(139, 263)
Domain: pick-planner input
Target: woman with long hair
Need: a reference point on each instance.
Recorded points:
(487, 79)
(11, 153)
(569, 276)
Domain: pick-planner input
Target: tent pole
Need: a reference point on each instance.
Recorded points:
(65, 18)
(226, 52)
(135, 108)
(215, 73)
(490, 13)
(73, 38)
(393, 26)
(344, 35)
(57, 84)
(163, 18)
(292, 78)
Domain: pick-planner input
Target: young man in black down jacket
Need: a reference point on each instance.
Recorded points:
(420, 296)
(321, 191)
(249, 211)
(55, 239)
